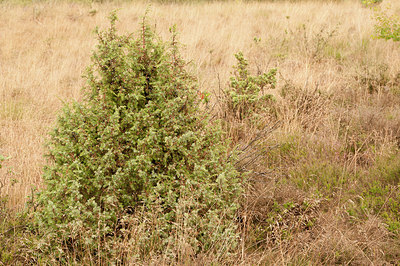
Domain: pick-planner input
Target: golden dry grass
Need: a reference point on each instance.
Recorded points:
(317, 47)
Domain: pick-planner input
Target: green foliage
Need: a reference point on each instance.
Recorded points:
(245, 96)
(138, 148)
(384, 201)
(368, 3)
(322, 177)
(380, 194)
(13, 234)
(387, 26)
(289, 151)
(2, 159)
(245, 103)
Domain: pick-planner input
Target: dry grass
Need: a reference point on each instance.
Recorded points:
(337, 100)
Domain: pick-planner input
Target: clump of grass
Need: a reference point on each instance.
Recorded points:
(380, 194)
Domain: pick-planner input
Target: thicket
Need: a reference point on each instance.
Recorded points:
(136, 164)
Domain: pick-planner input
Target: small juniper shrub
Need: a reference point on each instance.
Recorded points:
(245, 101)
(139, 149)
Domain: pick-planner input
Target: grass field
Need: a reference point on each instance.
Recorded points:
(327, 188)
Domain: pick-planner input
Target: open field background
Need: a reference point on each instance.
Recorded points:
(329, 192)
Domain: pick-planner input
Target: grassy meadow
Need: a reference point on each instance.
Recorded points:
(324, 184)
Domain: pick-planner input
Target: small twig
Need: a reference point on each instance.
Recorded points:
(12, 229)
(259, 135)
